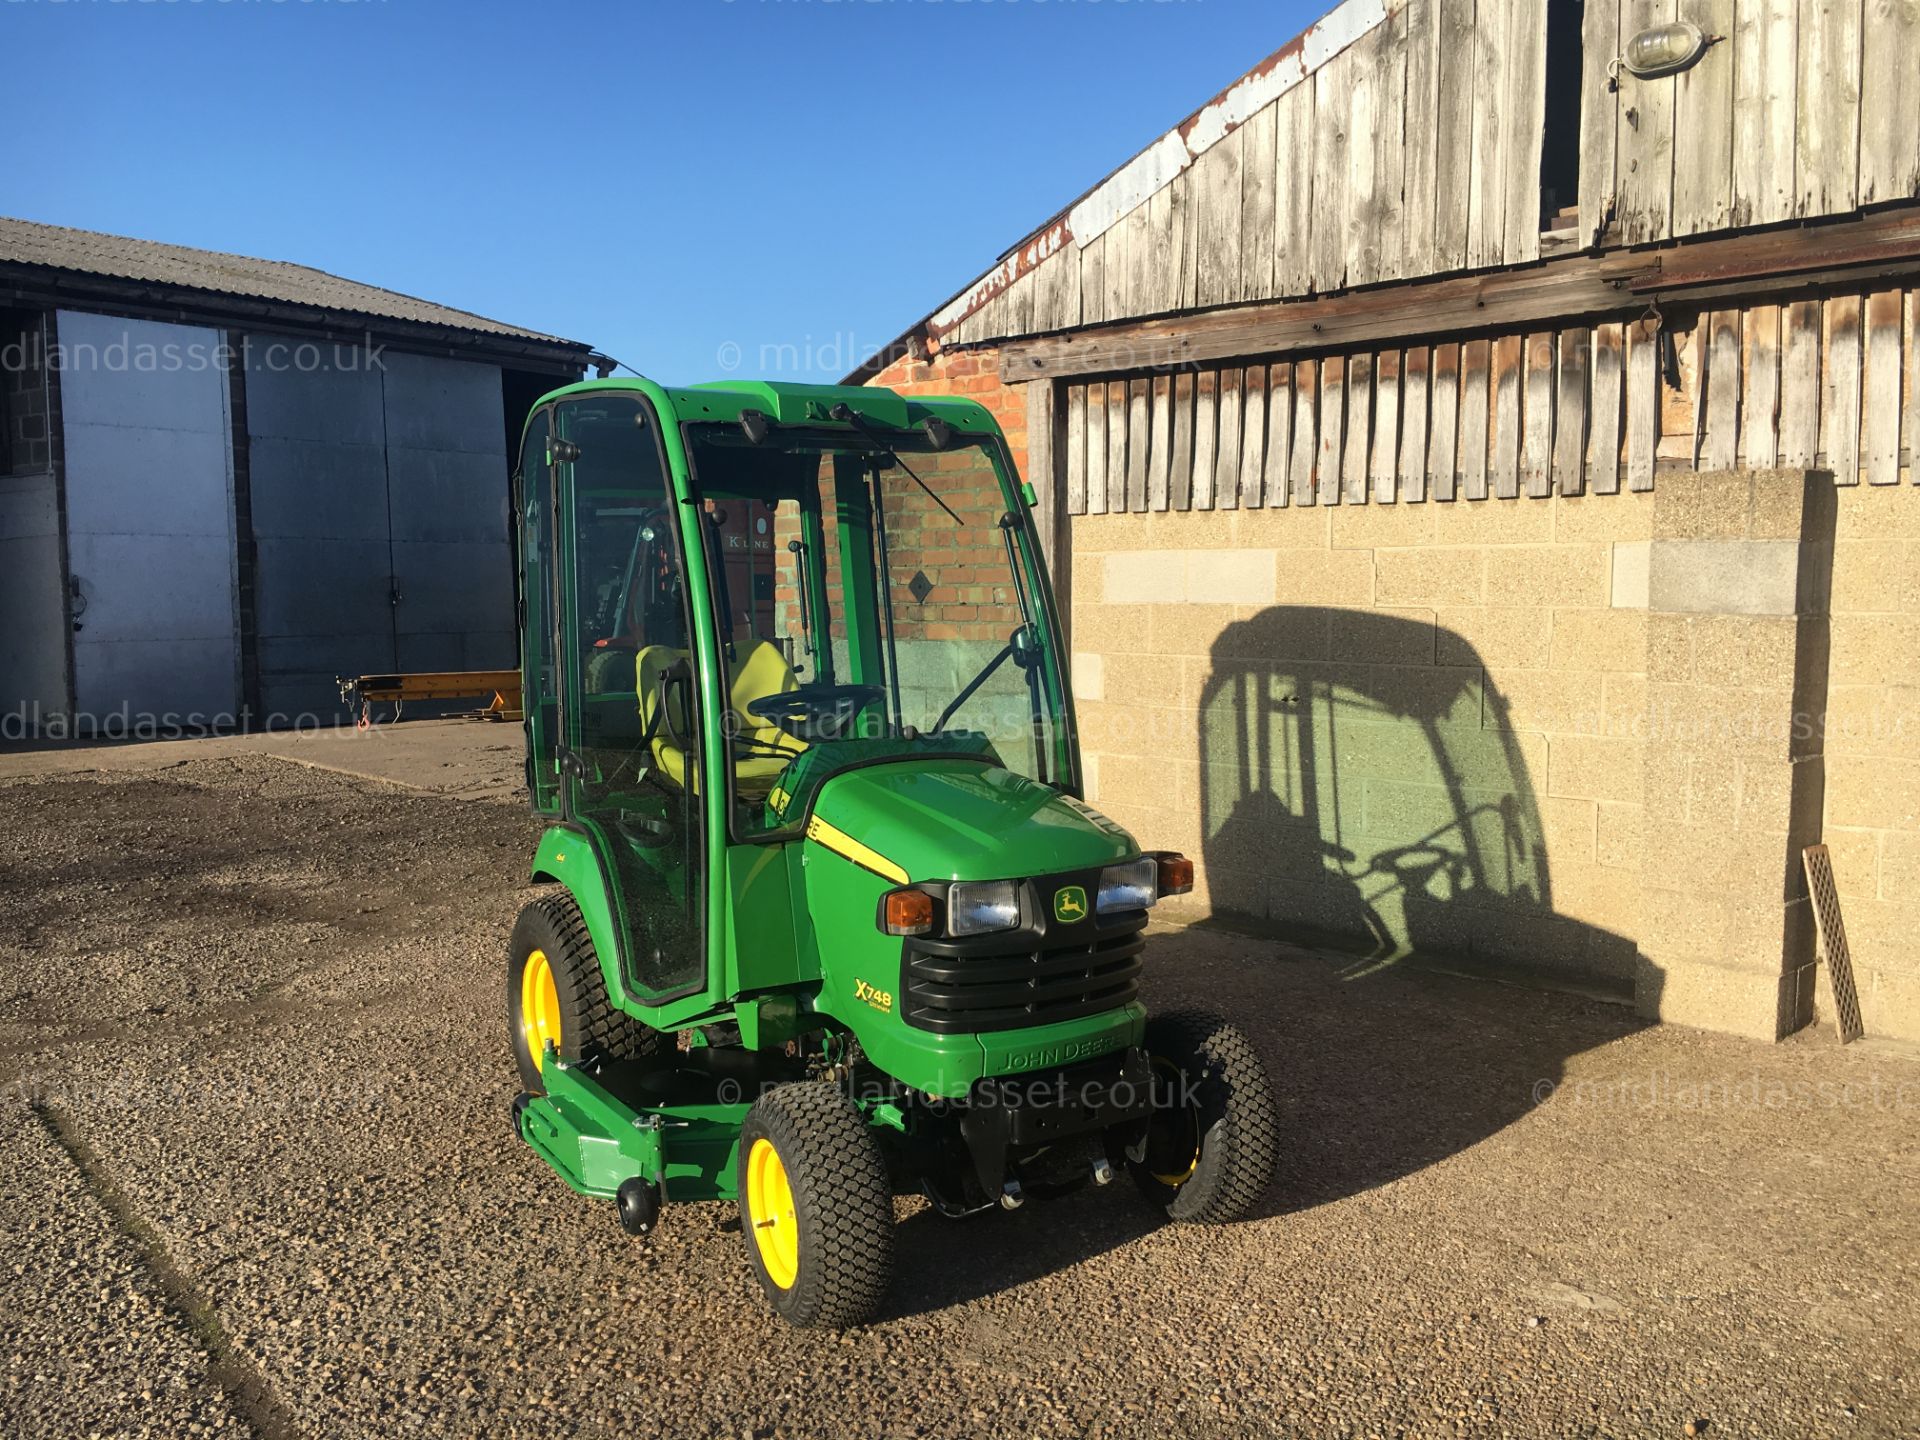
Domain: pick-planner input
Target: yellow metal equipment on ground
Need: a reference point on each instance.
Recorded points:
(363, 691)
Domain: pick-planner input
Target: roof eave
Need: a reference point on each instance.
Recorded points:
(56, 285)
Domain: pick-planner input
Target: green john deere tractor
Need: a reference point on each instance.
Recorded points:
(832, 921)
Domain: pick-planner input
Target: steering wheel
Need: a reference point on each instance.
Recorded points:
(815, 711)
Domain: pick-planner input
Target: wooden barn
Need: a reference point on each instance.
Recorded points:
(1478, 448)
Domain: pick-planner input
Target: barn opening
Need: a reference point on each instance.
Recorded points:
(1560, 135)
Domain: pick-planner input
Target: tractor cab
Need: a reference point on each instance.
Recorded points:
(796, 708)
(735, 599)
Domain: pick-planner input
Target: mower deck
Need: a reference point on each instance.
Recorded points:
(672, 1121)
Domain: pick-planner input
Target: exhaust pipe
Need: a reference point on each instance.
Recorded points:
(1012, 1197)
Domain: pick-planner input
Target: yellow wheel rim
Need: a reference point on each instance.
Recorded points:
(1176, 1176)
(539, 1006)
(776, 1234)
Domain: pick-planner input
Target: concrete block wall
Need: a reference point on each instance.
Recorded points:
(1582, 736)
(1872, 809)
(1735, 583)
(26, 447)
(1398, 727)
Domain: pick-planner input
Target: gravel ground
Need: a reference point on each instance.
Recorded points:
(261, 1182)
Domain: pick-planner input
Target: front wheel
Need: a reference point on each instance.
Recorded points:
(815, 1206)
(1209, 1148)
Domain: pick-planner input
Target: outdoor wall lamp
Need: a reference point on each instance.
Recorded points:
(1662, 50)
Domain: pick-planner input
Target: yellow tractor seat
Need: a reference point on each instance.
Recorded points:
(650, 667)
(757, 669)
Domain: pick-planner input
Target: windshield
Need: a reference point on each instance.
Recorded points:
(878, 596)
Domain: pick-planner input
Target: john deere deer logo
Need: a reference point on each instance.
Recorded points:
(1069, 904)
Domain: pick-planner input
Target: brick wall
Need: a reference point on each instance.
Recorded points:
(967, 560)
(974, 374)
(972, 608)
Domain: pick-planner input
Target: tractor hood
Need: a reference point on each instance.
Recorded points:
(955, 820)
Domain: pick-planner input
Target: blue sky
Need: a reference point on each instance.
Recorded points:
(662, 179)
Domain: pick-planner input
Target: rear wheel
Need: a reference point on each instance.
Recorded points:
(1210, 1146)
(555, 993)
(815, 1206)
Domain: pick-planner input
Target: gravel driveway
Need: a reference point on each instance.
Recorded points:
(261, 1181)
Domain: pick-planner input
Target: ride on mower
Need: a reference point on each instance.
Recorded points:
(833, 922)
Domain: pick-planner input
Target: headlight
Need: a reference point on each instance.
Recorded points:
(975, 908)
(1129, 886)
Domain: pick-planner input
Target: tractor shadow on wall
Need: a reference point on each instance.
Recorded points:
(1375, 851)
(1363, 798)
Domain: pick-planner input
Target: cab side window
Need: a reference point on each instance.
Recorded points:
(632, 721)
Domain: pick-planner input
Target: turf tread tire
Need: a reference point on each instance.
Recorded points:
(591, 1028)
(1240, 1120)
(843, 1204)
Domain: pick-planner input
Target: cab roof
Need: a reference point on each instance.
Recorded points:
(788, 403)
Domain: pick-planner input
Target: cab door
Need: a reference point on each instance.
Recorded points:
(533, 497)
(630, 724)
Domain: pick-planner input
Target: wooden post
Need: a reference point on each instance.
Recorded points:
(1046, 466)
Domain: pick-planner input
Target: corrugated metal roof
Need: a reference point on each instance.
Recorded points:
(89, 252)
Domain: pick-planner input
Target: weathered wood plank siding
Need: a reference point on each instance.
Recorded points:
(1206, 432)
(1570, 412)
(1703, 129)
(1402, 139)
(1826, 383)
(1475, 368)
(1721, 381)
(1840, 404)
(1890, 101)
(1457, 60)
(1766, 68)
(1599, 116)
(1353, 469)
(1486, 179)
(1800, 375)
(1276, 439)
(1605, 427)
(1760, 407)
(1827, 117)
(1415, 406)
(1536, 448)
(1443, 464)
(1255, 417)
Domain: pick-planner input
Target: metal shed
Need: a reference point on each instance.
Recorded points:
(226, 481)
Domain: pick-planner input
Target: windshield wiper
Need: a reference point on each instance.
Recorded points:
(972, 685)
(847, 415)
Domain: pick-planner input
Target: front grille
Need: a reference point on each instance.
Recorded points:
(1023, 978)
